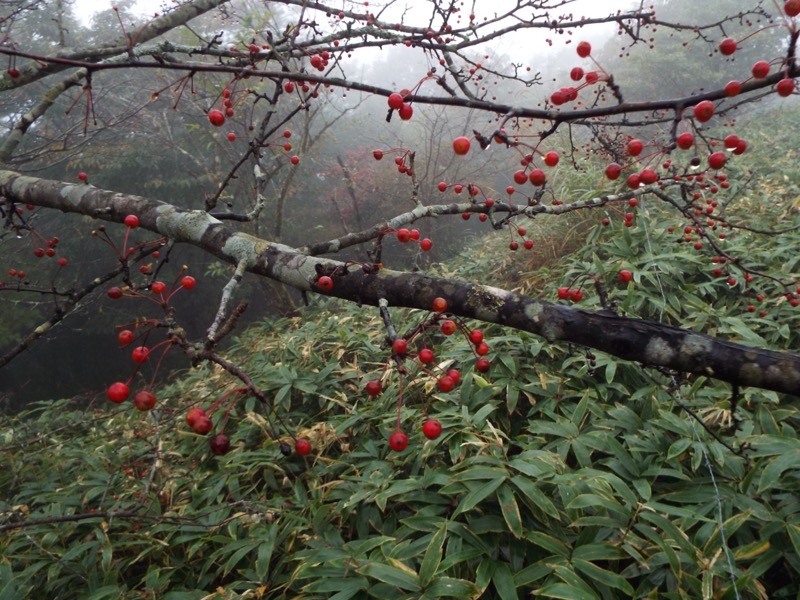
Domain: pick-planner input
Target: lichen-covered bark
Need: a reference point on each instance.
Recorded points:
(647, 342)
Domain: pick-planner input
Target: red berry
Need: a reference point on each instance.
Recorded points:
(537, 177)
(584, 49)
(704, 111)
(82, 176)
(374, 387)
(144, 400)
(125, 337)
(646, 177)
(790, 7)
(216, 118)
(461, 145)
(405, 112)
(140, 354)
(415, 234)
(432, 429)
(202, 425)
(325, 283)
(520, 177)
(576, 295)
(426, 356)
(302, 447)
(398, 441)
(625, 276)
(395, 101)
(114, 293)
(231, 138)
(633, 181)
(439, 305)
(576, 74)
(442, 186)
(785, 87)
(482, 349)
(399, 346)
(448, 327)
(192, 415)
(733, 88)
(446, 383)
(403, 236)
(483, 365)
(294, 160)
(188, 282)
(563, 293)
(476, 336)
(118, 392)
(731, 141)
(38, 252)
(717, 160)
(132, 221)
(425, 245)
(454, 375)
(740, 147)
(551, 159)
(635, 147)
(13, 72)
(727, 46)
(62, 262)
(158, 287)
(760, 70)
(685, 140)
(220, 444)
(288, 87)
(613, 171)
(558, 98)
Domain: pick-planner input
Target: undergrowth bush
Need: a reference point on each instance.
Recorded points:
(559, 474)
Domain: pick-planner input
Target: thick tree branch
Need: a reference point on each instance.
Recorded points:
(650, 343)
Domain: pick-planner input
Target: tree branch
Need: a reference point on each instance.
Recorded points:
(648, 342)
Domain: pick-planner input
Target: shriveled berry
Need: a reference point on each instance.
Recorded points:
(144, 400)
(220, 444)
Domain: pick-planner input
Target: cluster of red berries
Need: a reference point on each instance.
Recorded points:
(425, 358)
(570, 93)
(404, 236)
(397, 101)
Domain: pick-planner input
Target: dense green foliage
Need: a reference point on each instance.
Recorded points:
(558, 474)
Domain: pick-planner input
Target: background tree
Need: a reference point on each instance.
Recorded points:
(160, 170)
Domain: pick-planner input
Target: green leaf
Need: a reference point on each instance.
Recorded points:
(603, 576)
(449, 587)
(477, 495)
(564, 591)
(510, 509)
(433, 556)
(391, 575)
(532, 492)
(773, 471)
(503, 582)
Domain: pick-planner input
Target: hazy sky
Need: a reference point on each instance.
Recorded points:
(579, 7)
